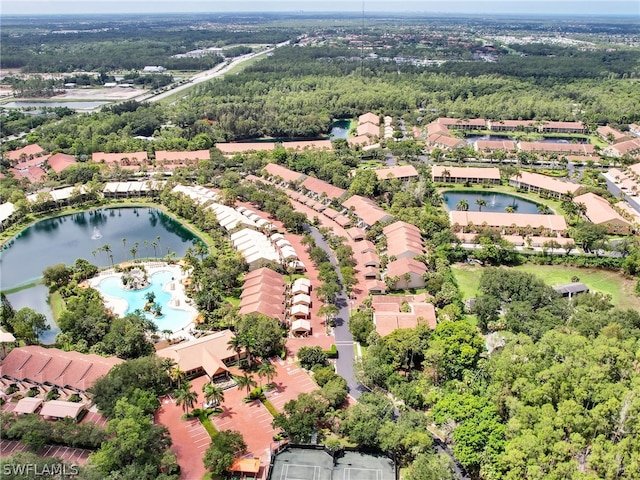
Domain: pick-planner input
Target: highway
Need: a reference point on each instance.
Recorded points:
(217, 71)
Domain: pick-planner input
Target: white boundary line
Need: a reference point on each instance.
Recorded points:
(285, 471)
(347, 472)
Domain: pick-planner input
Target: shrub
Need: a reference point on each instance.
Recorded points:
(256, 393)
(322, 375)
(311, 356)
(53, 395)
(332, 352)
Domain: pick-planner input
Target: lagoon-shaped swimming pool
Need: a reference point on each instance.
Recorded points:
(161, 283)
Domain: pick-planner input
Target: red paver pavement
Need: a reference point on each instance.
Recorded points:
(252, 420)
(95, 417)
(190, 439)
(290, 382)
(71, 455)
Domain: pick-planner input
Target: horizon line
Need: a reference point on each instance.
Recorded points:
(319, 12)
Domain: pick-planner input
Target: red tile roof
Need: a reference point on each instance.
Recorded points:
(563, 125)
(290, 176)
(388, 317)
(445, 141)
(263, 291)
(403, 171)
(309, 144)
(62, 369)
(488, 173)
(399, 267)
(60, 161)
(471, 122)
(514, 124)
(556, 223)
(545, 183)
(33, 150)
(319, 187)
(32, 174)
(492, 145)
(123, 159)
(600, 211)
(233, 148)
(366, 209)
(177, 158)
(368, 129)
(403, 238)
(369, 117)
(359, 140)
(583, 148)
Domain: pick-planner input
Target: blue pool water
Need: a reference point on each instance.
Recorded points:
(172, 319)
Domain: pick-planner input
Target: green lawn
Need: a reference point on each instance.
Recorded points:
(620, 288)
(57, 304)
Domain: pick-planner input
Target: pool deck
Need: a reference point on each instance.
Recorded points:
(179, 299)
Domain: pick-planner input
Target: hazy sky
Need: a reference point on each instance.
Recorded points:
(560, 7)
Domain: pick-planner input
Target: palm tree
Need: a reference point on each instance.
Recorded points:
(267, 370)
(543, 209)
(186, 397)
(176, 374)
(146, 248)
(155, 254)
(124, 245)
(133, 253)
(212, 393)
(245, 381)
(509, 209)
(481, 202)
(236, 344)
(107, 250)
(462, 205)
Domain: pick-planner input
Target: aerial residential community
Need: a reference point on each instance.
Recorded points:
(301, 245)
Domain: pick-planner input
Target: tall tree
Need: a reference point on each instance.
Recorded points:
(245, 381)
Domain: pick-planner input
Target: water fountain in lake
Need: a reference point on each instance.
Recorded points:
(493, 201)
(96, 234)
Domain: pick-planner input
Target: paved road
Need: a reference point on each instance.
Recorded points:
(617, 192)
(344, 340)
(216, 71)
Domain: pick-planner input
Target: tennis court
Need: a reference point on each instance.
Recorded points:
(295, 463)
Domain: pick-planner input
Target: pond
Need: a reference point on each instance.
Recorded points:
(340, 129)
(85, 235)
(495, 202)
